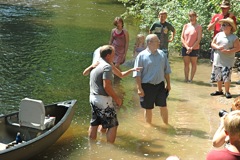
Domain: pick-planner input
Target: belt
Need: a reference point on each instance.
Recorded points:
(155, 84)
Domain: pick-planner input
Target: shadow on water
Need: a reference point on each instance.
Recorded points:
(173, 131)
(142, 147)
(150, 147)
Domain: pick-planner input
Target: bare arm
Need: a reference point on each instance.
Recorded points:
(214, 45)
(231, 15)
(126, 73)
(198, 38)
(107, 84)
(89, 68)
(236, 48)
(211, 26)
(219, 136)
(111, 37)
(182, 38)
(123, 74)
(127, 41)
(167, 78)
(172, 37)
(139, 86)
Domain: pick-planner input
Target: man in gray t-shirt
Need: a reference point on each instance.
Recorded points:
(102, 95)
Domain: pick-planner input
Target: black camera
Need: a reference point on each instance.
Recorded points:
(222, 113)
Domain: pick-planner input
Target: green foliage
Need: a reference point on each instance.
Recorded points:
(146, 12)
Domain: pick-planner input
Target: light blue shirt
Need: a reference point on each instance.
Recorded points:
(155, 66)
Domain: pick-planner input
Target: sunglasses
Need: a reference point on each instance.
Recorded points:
(225, 24)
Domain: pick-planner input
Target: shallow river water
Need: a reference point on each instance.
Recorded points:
(45, 45)
(193, 118)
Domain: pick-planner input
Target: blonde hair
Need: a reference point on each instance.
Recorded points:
(138, 38)
(232, 123)
(140, 35)
(192, 13)
(162, 12)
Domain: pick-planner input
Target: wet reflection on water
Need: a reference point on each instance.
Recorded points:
(22, 38)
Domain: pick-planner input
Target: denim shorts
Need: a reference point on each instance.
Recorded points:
(194, 53)
(154, 94)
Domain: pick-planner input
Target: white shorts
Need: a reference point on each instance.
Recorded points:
(101, 102)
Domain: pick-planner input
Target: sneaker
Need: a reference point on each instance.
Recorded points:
(228, 95)
(216, 93)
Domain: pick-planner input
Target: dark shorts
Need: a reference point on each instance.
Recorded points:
(222, 73)
(106, 117)
(194, 53)
(212, 55)
(154, 94)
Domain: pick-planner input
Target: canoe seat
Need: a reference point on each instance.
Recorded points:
(32, 114)
(3, 146)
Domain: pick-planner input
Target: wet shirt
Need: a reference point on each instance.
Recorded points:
(162, 31)
(155, 66)
(97, 75)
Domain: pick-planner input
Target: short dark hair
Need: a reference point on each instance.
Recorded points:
(105, 50)
(116, 21)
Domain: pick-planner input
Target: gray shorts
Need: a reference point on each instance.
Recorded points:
(222, 73)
